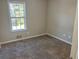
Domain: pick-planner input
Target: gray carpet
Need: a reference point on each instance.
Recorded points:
(43, 47)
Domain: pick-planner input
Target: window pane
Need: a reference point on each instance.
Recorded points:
(18, 23)
(22, 23)
(17, 10)
(17, 16)
(13, 24)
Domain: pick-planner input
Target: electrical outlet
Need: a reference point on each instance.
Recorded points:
(18, 36)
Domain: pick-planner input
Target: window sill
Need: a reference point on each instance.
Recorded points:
(21, 30)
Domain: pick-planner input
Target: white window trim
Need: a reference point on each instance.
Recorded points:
(18, 30)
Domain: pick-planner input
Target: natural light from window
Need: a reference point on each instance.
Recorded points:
(17, 16)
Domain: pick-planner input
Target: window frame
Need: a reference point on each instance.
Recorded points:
(17, 30)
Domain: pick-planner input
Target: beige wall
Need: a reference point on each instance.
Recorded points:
(60, 18)
(56, 20)
(74, 49)
(36, 20)
(0, 19)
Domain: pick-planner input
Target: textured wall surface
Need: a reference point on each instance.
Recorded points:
(55, 16)
(36, 15)
(61, 15)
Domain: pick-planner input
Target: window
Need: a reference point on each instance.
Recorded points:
(17, 16)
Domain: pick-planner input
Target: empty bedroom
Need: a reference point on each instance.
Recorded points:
(37, 29)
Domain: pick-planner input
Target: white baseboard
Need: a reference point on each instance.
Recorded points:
(33, 37)
(22, 39)
(59, 38)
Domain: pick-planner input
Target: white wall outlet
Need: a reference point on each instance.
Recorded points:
(18, 36)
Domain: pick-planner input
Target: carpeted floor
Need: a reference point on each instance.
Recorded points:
(43, 47)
